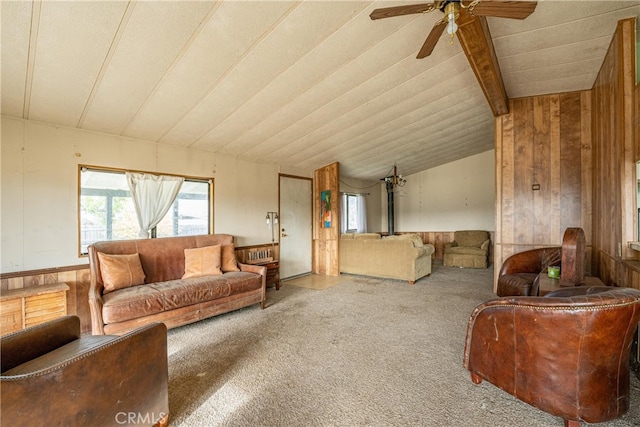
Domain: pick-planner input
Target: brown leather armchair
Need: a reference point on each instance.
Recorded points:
(566, 355)
(519, 271)
(51, 375)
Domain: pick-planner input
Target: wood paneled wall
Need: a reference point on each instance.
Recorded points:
(543, 172)
(615, 130)
(325, 240)
(580, 148)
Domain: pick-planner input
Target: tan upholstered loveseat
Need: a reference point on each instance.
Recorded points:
(470, 248)
(402, 257)
(163, 294)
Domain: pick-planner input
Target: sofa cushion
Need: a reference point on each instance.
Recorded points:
(466, 250)
(228, 259)
(120, 271)
(184, 292)
(131, 303)
(243, 281)
(203, 261)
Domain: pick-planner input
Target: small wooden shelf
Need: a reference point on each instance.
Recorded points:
(21, 308)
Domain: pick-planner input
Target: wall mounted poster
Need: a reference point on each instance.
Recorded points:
(325, 201)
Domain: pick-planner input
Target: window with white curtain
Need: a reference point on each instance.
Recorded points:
(107, 212)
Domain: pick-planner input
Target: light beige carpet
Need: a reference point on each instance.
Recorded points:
(365, 352)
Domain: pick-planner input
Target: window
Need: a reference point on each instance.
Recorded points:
(107, 212)
(353, 214)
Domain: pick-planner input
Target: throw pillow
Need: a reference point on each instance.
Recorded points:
(120, 271)
(229, 261)
(203, 261)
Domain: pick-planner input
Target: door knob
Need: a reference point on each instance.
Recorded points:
(283, 235)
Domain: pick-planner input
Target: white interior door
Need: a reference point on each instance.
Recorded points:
(295, 226)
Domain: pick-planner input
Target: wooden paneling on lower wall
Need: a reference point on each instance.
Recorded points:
(543, 172)
(438, 239)
(325, 240)
(77, 277)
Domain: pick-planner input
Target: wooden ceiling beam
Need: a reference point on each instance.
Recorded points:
(475, 39)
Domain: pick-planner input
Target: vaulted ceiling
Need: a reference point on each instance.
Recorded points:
(300, 83)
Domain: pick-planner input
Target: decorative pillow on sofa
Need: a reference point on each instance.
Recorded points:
(229, 261)
(203, 261)
(120, 271)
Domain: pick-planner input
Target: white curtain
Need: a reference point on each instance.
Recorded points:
(152, 196)
(343, 214)
(362, 214)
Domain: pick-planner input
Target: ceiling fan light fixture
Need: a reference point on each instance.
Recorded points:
(452, 12)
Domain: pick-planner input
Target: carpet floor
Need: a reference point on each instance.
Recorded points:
(363, 352)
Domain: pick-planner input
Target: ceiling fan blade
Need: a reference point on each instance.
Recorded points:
(504, 9)
(432, 39)
(388, 12)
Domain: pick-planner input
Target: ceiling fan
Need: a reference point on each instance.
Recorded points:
(452, 10)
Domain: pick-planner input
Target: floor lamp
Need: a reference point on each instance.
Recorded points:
(272, 222)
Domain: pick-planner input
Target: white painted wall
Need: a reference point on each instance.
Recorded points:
(39, 188)
(39, 191)
(456, 196)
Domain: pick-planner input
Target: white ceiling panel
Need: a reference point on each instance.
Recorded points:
(215, 52)
(16, 21)
(73, 39)
(300, 83)
(308, 25)
(153, 36)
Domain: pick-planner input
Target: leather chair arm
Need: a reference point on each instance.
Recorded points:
(27, 344)
(128, 374)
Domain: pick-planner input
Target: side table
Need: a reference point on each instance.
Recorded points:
(273, 273)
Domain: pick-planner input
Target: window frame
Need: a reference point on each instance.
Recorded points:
(105, 169)
(346, 207)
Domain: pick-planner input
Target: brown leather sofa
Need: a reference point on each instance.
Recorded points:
(164, 295)
(566, 353)
(53, 376)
